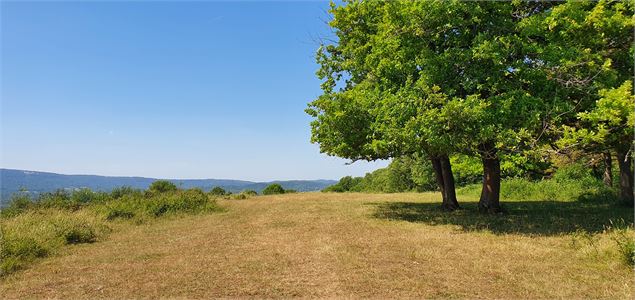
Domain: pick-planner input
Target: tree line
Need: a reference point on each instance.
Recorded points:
(482, 79)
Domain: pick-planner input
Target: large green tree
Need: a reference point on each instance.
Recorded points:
(432, 78)
(365, 74)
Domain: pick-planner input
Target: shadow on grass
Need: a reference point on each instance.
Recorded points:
(522, 217)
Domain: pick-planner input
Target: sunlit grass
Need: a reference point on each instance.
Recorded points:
(349, 245)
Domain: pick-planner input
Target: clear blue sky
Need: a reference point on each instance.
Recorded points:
(164, 89)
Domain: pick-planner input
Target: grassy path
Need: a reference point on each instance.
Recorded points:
(324, 245)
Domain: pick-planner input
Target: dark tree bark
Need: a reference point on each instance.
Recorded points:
(445, 180)
(607, 178)
(450, 203)
(490, 194)
(626, 177)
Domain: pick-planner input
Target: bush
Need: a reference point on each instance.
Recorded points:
(14, 254)
(86, 196)
(218, 191)
(249, 193)
(273, 189)
(192, 200)
(162, 186)
(119, 213)
(157, 204)
(19, 203)
(79, 233)
(59, 199)
(119, 192)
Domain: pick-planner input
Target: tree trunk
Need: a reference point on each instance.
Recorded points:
(626, 177)
(436, 165)
(608, 169)
(490, 194)
(445, 180)
(450, 203)
(484, 190)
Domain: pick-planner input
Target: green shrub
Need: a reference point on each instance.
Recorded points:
(19, 203)
(26, 247)
(79, 233)
(192, 200)
(249, 193)
(15, 254)
(162, 186)
(58, 199)
(119, 192)
(127, 206)
(290, 191)
(218, 191)
(85, 196)
(273, 189)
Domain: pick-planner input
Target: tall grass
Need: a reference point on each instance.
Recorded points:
(35, 228)
(39, 233)
(559, 188)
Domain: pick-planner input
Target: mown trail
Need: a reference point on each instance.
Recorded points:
(319, 245)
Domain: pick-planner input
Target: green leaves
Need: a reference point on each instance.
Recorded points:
(608, 125)
(447, 76)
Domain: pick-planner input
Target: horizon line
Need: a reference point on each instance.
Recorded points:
(158, 178)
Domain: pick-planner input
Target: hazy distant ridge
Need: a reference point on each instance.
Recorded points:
(12, 181)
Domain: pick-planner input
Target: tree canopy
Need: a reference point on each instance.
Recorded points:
(480, 78)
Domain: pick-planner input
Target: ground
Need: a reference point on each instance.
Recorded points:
(341, 245)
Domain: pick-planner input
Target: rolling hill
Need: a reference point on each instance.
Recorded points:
(13, 181)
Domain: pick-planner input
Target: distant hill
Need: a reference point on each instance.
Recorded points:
(12, 181)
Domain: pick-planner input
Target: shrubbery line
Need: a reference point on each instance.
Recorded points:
(33, 228)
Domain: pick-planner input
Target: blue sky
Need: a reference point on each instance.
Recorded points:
(164, 89)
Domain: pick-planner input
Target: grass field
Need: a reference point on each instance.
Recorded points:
(347, 245)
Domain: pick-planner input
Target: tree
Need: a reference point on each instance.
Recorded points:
(218, 191)
(430, 78)
(609, 127)
(273, 189)
(162, 186)
(357, 120)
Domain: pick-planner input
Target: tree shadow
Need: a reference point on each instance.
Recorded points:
(522, 217)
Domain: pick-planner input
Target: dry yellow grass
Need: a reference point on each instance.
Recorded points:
(324, 245)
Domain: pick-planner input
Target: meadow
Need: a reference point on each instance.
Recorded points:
(343, 245)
